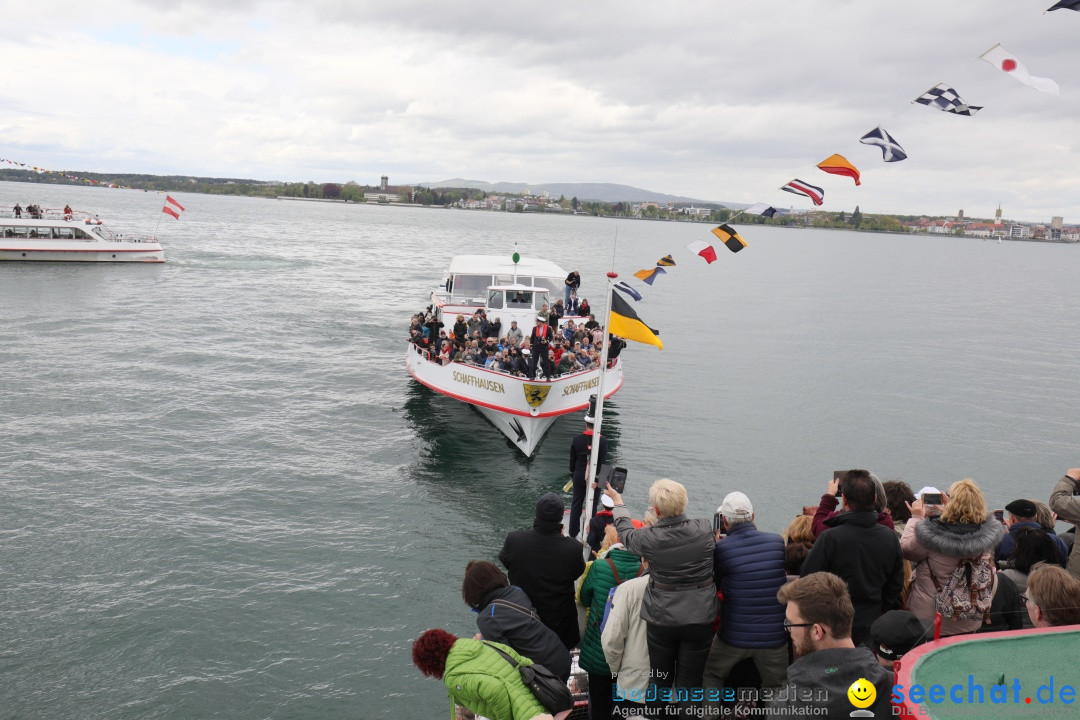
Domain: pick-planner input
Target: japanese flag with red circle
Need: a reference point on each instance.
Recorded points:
(1009, 64)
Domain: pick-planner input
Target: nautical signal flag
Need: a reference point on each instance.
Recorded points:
(890, 149)
(647, 276)
(1009, 64)
(799, 187)
(172, 207)
(730, 237)
(948, 100)
(1066, 5)
(625, 323)
(761, 209)
(666, 261)
(703, 249)
(839, 165)
(628, 289)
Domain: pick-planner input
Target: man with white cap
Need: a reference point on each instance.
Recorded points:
(600, 521)
(748, 566)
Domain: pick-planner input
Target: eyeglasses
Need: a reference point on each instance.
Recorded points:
(1026, 599)
(788, 625)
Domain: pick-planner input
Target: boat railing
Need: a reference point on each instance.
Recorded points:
(433, 358)
(82, 217)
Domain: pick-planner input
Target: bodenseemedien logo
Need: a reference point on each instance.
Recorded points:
(862, 695)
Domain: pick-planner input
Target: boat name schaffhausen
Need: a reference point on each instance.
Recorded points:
(583, 385)
(477, 382)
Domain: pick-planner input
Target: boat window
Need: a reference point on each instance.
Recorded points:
(21, 231)
(82, 234)
(65, 233)
(495, 300)
(541, 300)
(519, 299)
(546, 283)
(473, 286)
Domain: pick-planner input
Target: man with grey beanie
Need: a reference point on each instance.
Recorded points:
(545, 563)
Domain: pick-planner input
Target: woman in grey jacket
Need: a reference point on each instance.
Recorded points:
(680, 604)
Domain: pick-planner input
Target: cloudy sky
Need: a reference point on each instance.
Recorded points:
(713, 99)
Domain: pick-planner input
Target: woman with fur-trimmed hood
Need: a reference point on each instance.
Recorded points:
(965, 529)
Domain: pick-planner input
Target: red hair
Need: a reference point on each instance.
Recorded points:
(430, 650)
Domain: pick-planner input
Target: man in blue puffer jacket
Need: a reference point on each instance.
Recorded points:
(749, 570)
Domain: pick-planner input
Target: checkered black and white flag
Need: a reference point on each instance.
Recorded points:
(945, 98)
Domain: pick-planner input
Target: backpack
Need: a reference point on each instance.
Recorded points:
(969, 591)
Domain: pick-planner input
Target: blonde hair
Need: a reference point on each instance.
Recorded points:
(650, 517)
(668, 497)
(611, 536)
(799, 531)
(1043, 515)
(967, 504)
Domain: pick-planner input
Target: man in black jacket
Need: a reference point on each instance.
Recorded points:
(545, 563)
(866, 555)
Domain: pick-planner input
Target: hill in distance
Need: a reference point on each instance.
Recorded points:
(599, 192)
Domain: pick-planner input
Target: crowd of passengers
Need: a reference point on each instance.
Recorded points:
(676, 605)
(552, 348)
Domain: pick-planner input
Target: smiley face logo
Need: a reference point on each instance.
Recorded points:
(862, 693)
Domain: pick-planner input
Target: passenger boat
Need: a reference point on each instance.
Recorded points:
(75, 236)
(523, 409)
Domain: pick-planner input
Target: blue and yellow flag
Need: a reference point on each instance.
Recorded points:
(647, 276)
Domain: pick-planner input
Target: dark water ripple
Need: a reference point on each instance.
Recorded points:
(222, 496)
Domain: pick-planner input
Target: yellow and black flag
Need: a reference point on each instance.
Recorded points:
(666, 261)
(625, 323)
(731, 238)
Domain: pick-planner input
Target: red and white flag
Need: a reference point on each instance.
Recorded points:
(703, 249)
(1009, 64)
(172, 207)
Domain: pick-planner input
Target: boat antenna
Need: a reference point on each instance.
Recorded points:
(590, 475)
(614, 246)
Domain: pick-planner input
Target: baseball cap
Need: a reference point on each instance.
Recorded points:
(895, 633)
(736, 505)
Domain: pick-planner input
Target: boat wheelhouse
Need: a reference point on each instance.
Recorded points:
(70, 236)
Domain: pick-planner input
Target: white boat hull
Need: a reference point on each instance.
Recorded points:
(522, 409)
(25, 250)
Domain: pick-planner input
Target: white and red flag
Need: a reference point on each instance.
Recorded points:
(1009, 64)
(172, 207)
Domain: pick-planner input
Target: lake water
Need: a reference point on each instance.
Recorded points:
(223, 496)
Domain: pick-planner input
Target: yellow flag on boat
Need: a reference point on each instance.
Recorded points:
(625, 323)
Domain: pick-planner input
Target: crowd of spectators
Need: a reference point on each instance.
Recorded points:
(678, 611)
(552, 348)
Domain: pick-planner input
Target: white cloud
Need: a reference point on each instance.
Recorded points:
(722, 101)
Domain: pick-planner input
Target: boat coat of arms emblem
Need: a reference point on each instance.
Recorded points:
(535, 394)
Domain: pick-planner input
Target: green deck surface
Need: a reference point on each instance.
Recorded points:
(1031, 659)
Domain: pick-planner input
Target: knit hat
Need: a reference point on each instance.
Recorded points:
(1022, 508)
(550, 507)
(735, 506)
(895, 633)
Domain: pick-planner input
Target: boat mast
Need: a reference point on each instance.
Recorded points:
(590, 475)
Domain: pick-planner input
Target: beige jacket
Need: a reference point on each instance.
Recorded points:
(625, 647)
(1067, 507)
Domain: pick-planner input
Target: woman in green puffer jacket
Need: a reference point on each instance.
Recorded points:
(477, 677)
(608, 570)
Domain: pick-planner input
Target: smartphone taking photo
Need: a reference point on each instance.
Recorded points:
(931, 498)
